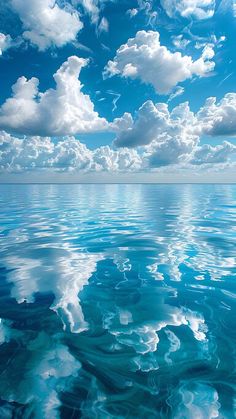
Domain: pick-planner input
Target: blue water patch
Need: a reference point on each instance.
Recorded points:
(117, 301)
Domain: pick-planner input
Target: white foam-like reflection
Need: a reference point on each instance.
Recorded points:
(175, 345)
(195, 400)
(59, 271)
(139, 327)
(49, 369)
(5, 332)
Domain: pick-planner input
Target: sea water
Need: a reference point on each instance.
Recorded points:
(117, 301)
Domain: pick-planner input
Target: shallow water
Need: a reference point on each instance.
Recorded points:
(117, 301)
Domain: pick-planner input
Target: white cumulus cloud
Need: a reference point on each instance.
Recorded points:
(31, 153)
(67, 154)
(170, 150)
(207, 154)
(219, 119)
(60, 111)
(143, 57)
(154, 122)
(46, 23)
(166, 137)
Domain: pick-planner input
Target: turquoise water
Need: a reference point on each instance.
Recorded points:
(117, 301)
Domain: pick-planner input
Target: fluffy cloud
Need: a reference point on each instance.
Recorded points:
(206, 154)
(169, 150)
(198, 9)
(154, 122)
(60, 111)
(67, 154)
(168, 137)
(121, 160)
(46, 23)
(5, 42)
(173, 137)
(219, 119)
(155, 137)
(172, 151)
(145, 58)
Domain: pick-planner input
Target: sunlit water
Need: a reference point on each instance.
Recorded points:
(117, 301)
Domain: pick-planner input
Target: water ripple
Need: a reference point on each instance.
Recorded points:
(117, 301)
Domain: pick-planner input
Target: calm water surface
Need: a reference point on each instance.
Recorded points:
(117, 301)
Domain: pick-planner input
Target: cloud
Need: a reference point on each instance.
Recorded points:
(70, 155)
(154, 122)
(122, 124)
(186, 152)
(60, 111)
(103, 25)
(197, 9)
(17, 155)
(169, 150)
(117, 160)
(218, 119)
(148, 8)
(178, 91)
(206, 154)
(31, 153)
(116, 96)
(91, 7)
(143, 57)
(173, 137)
(47, 24)
(5, 42)
(153, 138)
(180, 42)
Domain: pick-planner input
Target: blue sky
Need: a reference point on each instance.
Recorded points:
(117, 104)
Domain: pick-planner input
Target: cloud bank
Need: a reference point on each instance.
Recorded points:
(70, 155)
(67, 154)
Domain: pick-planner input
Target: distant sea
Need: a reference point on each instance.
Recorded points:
(117, 301)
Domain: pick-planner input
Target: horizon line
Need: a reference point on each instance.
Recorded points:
(118, 183)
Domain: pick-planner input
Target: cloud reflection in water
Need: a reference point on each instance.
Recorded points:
(117, 301)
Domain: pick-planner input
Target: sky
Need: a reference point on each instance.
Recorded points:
(117, 91)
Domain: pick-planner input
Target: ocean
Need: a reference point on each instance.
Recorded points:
(117, 301)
